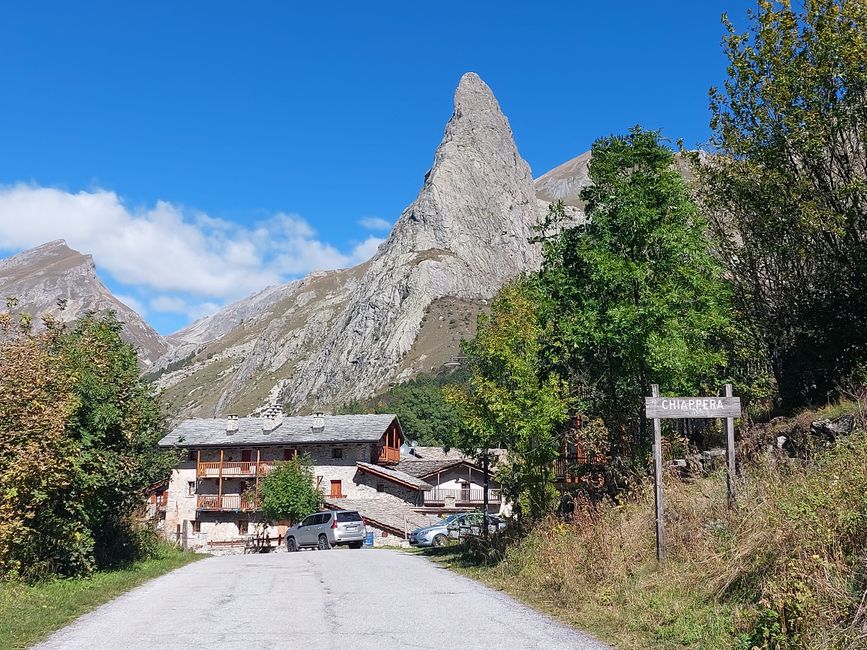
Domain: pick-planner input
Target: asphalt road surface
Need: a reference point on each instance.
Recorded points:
(353, 599)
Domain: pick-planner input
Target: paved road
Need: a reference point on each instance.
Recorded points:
(314, 599)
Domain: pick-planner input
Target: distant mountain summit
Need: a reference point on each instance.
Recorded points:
(565, 182)
(41, 276)
(347, 334)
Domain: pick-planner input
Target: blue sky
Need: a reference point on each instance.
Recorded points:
(201, 150)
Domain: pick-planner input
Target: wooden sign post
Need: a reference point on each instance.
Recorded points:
(671, 408)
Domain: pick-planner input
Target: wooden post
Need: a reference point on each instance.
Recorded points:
(220, 484)
(485, 495)
(258, 470)
(730, 453)
(657, 478)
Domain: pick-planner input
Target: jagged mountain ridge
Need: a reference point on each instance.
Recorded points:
(37, 278)
(347, 334)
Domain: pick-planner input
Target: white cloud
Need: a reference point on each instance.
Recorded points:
(163, 250)
(374, 223)
(133, 303)
(176, 305)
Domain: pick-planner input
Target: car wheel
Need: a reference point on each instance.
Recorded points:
(323, 543)
(355, 544)
(291, 546)
(439, 540)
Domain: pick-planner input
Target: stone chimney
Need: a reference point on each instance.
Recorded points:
(231, 424)
(273, 418)
(318, 422)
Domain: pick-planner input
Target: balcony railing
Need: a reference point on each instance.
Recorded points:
(388, 455)
(216, 503)
(233, 469)
(472, 496)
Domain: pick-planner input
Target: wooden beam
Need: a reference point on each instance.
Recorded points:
(220, 483)
(258, 469)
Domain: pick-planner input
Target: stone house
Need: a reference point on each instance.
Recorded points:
(210, 500)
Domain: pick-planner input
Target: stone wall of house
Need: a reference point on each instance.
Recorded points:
(368, 486)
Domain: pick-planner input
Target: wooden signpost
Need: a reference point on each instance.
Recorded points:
(670, 408)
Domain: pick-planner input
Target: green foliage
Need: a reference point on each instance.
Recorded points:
(511, 401)
(633, 296)
(424, 413)
(786, 189)
(78, 433)
(288, 491)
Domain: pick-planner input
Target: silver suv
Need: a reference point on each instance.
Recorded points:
(326, 529)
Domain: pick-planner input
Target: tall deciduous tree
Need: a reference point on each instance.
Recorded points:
(633, 296)
(512, 401)
(786, 187)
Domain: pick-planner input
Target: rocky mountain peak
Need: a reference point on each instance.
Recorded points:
(40, 276)
(341, 336)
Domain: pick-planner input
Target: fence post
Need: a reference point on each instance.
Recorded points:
(657, 478)
(730, 454)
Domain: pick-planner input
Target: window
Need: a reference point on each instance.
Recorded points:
(343, 517)
(290, 453)
(309, 521)
(191, 488)
(336, 489)
(380, 487)
(197, 526)
(242, 527)
(192, 455)
(246, 455)
(336, 452)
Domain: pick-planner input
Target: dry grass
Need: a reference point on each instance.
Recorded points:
(786, 569)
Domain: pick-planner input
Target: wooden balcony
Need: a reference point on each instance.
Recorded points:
(387, 456)
(233, 469)
(226, 503)
(474, 496)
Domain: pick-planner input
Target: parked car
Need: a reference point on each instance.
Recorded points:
(326, 529)
(470, 523)
(433, 535)
(437, 534)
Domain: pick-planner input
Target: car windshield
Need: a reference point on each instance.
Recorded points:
(448, 520)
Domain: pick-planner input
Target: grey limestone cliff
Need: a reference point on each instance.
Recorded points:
(347, 334)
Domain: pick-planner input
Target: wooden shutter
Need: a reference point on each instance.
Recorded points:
(336, 489)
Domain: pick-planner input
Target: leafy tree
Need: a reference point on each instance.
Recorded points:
(632, 296)
(511, 400)
(424, 413)
(78, 433)
(288, 491)
(786, 188)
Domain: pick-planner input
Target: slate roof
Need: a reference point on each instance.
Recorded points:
(386, 512)
(395, 475)
(425, 468)
(211, 432)
(433, 453)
